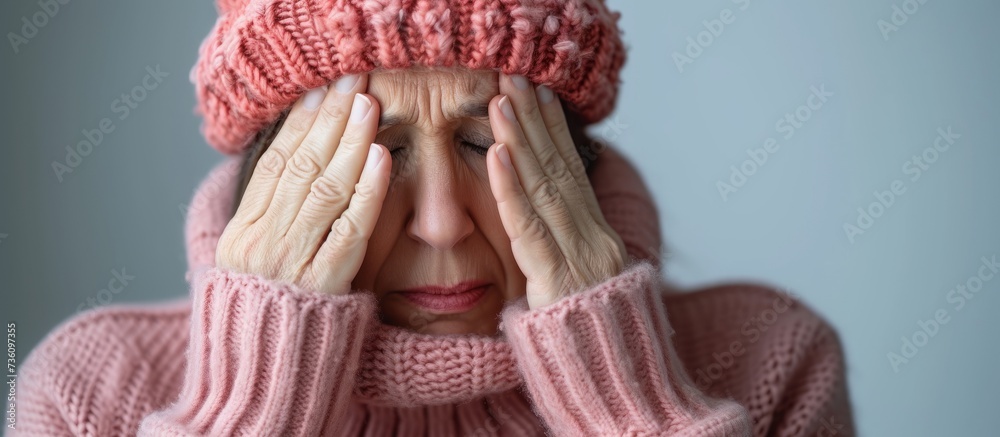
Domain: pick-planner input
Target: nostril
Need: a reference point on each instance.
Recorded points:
(440, 223)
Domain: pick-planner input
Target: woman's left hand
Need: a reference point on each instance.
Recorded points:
(559, 237)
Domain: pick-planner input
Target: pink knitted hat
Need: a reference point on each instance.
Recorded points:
(261, 55)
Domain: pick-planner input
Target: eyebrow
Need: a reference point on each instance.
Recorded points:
(467, 110)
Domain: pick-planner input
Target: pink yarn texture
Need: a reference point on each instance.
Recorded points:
(632, 356)
(262, 55)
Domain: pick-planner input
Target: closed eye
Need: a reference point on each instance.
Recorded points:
(476, 142)
(477, 148)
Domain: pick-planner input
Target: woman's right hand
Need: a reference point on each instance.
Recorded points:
(315, 194)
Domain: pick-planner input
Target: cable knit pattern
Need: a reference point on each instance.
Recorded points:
(266, 358)
(630, 356)
(589, 380)
(408, 368)
(261, 55)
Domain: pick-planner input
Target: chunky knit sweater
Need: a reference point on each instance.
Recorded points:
(630, 356)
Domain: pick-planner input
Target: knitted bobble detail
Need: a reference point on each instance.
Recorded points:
(262, 55)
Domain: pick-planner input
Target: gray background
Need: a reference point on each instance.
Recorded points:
(121, 208)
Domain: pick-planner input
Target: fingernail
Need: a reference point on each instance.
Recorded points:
(519, 81)
(503, 155)
(544, 94)
(360, 109)
(314, 97)
(374, 156)
(346, 83)
(506, 109)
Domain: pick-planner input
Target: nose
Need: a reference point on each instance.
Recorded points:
(440, 217)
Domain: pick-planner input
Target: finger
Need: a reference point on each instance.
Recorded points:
(540, 141)
(312, 157)
(267, 172)
(344, 248)
(330, 193)
(541, 191)
(532, 243)
(555, 121)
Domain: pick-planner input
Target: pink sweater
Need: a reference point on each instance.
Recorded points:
(630, 356)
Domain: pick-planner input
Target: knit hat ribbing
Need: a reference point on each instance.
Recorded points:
(262, 55)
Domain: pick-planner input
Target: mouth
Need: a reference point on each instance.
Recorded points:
(447, 300)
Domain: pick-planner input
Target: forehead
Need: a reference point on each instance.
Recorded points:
(450, 92)
(460, 81)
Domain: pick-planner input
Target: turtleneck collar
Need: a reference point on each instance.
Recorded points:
(405, 368)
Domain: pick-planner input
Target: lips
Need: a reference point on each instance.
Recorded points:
(455, 299)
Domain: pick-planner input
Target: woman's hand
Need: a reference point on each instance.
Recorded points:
(558, 234)
(315, 194)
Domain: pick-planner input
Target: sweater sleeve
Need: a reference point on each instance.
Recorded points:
(601, 362)
(265, 358)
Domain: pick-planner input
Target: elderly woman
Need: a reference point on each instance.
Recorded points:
(415, 236)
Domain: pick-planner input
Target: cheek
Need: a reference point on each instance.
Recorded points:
(487, 218)
(388, 230)
(488, 221)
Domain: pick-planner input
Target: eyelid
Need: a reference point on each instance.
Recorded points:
(395, 140)
(390, 139)
(479, 138)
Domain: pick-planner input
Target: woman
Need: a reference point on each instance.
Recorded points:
(428, 246)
